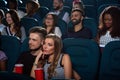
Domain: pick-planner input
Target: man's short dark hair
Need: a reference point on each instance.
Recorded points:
(39, 30)
(77, 9)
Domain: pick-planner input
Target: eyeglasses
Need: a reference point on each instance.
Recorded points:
(49, 18)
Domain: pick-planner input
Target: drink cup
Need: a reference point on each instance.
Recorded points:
(39, 74)
(19, 68)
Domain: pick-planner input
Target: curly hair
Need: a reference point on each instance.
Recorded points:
(114, 12)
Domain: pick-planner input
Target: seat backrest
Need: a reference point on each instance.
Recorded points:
(67, 9)
(90, 11)
(68, 3)
(110, 62)
(89, 2)
(28, 23)
(85, 55)
(42, 11)
(63, 26)
(5, 9)
(103, 6)
(11, 46)
(13, 76)
(40, 14)
(101, 2)
(3, 3)
(24, 45)
(92, 25)
(47, 3)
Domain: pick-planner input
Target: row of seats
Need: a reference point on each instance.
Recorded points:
(31, 22)
(85, 56)
(87, 22)
(4, 75)
(97, 3)
(48, 3)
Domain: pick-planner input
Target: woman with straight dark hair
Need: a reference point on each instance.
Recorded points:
(14, 27)
(50, 24)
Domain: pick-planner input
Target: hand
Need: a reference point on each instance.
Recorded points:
(38, 56)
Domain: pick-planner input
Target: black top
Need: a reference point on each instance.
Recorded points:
(83, 33)
(27, 60)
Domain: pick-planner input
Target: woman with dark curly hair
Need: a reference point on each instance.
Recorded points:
(109, 25)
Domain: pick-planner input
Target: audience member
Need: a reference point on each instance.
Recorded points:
(50, 23)
(56, 65)
(79, 5)
(36, 38)
(58, 10)
(3, 59)
(13, 4)
(31, 8)
(78, 30)
(2, 26)
(14, 27)
(109, 25)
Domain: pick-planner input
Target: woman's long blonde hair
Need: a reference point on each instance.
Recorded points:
(57, 51)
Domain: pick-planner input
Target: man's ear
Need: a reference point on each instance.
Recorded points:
(42, 42)
(82, 18)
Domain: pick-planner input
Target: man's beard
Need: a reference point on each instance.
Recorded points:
(76, 22)
(57, 8)
(40, 46)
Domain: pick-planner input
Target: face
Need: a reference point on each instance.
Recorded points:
(48, 46)
(108, 20)
(28, 7)
(49, 20)
(11, 5)
(56, 4)
(76, 6)
(76, 17)
(35, 41)
(9, 19)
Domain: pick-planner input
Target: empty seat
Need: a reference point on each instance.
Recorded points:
(4, 75)
(92, 25)
(28, 23)
(101, 2)
(110, 62)
(85, 55)
(24, 46)
(91, 11)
